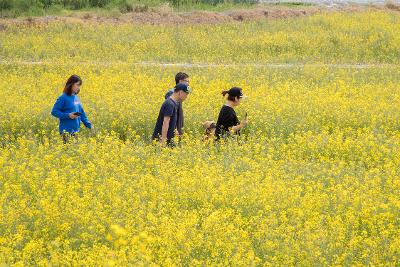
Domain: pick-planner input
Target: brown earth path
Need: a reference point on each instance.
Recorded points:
(165, 15)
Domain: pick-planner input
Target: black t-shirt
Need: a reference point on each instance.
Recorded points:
(168, 109)
(227, 118)
(179, 120)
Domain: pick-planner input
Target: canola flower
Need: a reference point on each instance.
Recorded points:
(365, 37)
(313, 180)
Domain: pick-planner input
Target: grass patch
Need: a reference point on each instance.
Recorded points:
(23, 8)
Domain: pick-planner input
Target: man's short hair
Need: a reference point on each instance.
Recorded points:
(180, 76)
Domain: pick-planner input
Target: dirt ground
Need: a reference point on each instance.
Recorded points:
(165, 15)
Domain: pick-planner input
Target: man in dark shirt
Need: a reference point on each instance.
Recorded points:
(180, 77)
(164, 131)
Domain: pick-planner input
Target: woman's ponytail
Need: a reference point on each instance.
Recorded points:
(230, 98)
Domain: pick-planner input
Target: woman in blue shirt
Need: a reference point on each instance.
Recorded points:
(68, 109)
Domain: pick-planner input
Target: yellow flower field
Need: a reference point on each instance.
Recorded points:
(313, 181)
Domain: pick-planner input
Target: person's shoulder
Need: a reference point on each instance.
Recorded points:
(225, 108)
(168, 102)
(169, 93)
(227, 111)
(62, 96)
(171, 101)
(231, 109)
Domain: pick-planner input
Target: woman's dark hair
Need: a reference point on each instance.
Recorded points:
(180, 76)
(230, 97)
(70, 82)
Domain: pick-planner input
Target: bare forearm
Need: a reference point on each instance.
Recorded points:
(164, 132)
(164, 129)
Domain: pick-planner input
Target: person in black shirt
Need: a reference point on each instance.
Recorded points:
(227, 120)
(164, 131)
(180, 77)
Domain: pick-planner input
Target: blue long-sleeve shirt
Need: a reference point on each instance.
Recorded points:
(66, 104)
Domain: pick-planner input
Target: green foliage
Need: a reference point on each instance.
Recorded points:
(15, 8)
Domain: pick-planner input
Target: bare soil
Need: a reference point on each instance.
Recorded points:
(165, 15)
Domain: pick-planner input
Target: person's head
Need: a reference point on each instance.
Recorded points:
(181, 91)
(182, 77)
(73, 85)
(235, 94)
